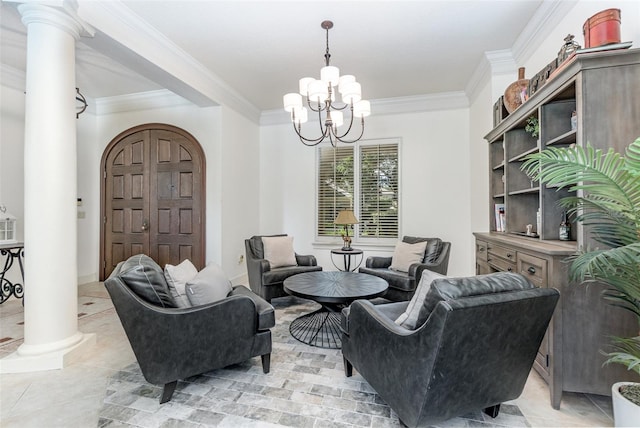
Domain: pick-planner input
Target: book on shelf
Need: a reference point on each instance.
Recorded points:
(501, 223)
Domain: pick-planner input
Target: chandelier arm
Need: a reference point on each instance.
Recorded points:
(349, 128)
(352, 141)
(339, 108)
(309, 141)
(318, 109)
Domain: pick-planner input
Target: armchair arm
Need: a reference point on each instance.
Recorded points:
(306, 260)
(441, 265)
(378, 262)
(266, 314)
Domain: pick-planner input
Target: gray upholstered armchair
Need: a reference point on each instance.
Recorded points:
(266, 281)
(473, 348)
(175, 343)
(402, 285)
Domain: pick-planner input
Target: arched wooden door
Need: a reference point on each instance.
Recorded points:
(152, 197)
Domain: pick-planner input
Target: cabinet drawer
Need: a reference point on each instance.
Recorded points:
(481, 250)
(502, 264)
(533, 268)
(502, 252)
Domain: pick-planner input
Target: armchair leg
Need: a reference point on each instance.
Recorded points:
(266, 363)
(167, 392)
(492, 411)
(348, 368)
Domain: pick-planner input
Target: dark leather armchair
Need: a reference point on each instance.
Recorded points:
(402, 285)
(473, 352)
(265, 281)
(176, 343)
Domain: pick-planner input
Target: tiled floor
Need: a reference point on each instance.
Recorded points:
(73, 397)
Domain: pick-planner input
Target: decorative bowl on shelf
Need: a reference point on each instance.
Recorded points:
(517, 92)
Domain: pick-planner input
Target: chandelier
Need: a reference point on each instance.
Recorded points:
(321, 95)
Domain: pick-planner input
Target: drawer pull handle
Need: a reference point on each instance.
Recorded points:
(509, 255)
(531, 270)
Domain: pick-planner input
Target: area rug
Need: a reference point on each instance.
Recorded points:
(305, 388)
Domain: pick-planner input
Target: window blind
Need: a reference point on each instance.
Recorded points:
(378, 196)
(335, 187)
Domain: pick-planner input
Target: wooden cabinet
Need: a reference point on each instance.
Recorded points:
(603, 89)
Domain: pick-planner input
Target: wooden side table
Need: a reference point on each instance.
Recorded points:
(346, 258)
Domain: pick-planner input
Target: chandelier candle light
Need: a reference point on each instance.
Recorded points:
(321, 96)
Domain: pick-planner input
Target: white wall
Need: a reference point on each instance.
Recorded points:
(435, 192)
(89, 191)
(240, 178)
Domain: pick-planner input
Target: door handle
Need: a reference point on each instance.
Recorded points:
(145, 225)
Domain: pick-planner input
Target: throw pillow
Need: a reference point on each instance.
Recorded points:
(407, 254)
(209, 285)
(177, 277)
(278, 250)
(409, 318)
(146, 279)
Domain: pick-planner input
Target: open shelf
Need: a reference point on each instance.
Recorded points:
(566, 138)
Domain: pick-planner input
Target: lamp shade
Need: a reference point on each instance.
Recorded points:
(344, 80)
(337, 118)
(304, 85)
(292, 101)
(330, 75)
(318, 91)
(299, 115)
(351, 93)
(362, 108)
(346, 217)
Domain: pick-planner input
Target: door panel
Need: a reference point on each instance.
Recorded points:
(153, 197)
(125, 208)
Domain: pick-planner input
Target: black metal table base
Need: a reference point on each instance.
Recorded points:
(7, 288)
(320, 328)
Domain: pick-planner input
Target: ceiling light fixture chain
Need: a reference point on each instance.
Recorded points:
(320, 94)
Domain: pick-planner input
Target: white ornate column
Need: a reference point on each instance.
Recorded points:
(51, 333)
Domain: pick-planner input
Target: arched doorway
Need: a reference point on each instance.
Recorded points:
(152, 197)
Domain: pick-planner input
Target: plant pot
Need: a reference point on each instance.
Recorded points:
(625, 413)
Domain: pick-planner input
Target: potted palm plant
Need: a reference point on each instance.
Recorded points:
(607, 201)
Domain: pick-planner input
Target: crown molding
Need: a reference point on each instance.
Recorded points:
(162, 60)
(386, 106)
(140, 101)
(492, 62)
(546, 18)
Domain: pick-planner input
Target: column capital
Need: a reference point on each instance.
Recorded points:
(58, 13)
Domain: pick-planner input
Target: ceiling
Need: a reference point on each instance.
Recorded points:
(261, 48)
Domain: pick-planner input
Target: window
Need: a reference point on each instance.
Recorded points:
(363, 177)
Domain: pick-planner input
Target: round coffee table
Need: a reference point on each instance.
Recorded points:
(334, 291)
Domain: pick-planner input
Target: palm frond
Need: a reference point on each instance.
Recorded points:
(627, 352)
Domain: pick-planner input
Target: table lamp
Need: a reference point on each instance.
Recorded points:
(346, 218)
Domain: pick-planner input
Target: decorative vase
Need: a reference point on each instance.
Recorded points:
(516, 93)
(625, 413)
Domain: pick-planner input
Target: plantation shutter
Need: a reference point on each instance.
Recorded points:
(335, 187)
(378, 191)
